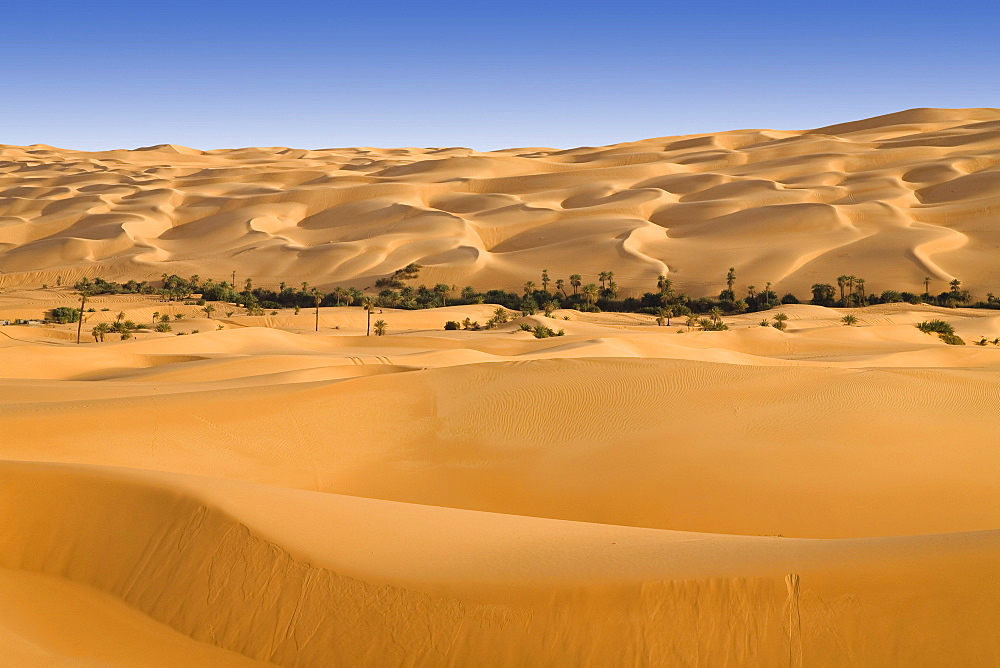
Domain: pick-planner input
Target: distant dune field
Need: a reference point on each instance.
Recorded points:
(893, 198)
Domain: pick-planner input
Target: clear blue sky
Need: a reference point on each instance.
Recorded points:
(93, 74)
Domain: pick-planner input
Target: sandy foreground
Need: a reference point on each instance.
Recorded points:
(627, 494)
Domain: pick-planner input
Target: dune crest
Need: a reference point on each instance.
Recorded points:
(893, 198)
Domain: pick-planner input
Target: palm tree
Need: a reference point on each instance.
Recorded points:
(731, 279)
(550, 306)
(208, 309)
(545, 280)
(500, 314)
(368, 304)
(576, 281)
(841, 283)
(955, 285)
(779, 321)
(663, 314)
(927, 285)
(767, 293)
(849, 320)
(590, 293)
(380, 327)
(861, 290)
(561, 287)
(340, 293)
(716, 315)
(752, 294)
(692, 320)
(317, 300)
(99, 331)
(83, 302)
(443, 290)
(603, 276)
(156, 316)
(529, 287)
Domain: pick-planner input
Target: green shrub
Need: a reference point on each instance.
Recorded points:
(952, 339)
(451, 325)
(541, 331)
(936, 326)
(943, 329)
(65, 314)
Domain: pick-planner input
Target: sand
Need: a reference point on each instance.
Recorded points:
(624, 494)
(892, 199)
(254, 492)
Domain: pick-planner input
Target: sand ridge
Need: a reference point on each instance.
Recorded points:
(893, 198)
(244, 490)
(627, 493)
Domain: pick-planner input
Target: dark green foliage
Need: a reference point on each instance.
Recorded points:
(451, 325)
(944, 331)
(540, 331)
(64, 314)
(937, 326)
(396, 280)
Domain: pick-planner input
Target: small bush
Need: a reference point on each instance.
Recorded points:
(541, 331)
(943, 329)
(65, 314)
(789, 299)
(936, 326)
(452, 325)
(163, 327)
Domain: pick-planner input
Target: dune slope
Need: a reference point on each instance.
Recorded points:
(893, 198)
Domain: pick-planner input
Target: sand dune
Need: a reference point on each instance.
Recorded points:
(244, 490)
(623, 494)
(893, 198)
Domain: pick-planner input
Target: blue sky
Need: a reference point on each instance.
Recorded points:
(92, 74)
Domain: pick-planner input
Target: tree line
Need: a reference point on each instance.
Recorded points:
(544, 296)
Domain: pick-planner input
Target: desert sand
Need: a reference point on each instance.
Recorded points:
(256, 493)
(893, 199)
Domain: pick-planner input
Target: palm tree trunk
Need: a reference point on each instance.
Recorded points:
(317, 317)
(79, 324)
(369, 333)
